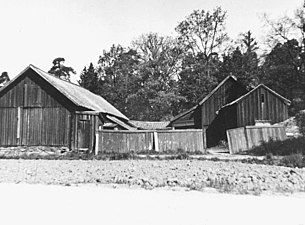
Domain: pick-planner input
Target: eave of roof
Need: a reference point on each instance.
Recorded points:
(183, 114)
(149, 125)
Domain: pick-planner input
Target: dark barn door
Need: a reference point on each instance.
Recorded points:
(83, 133)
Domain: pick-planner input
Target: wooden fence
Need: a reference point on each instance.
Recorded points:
(144, 141)
(245, 138)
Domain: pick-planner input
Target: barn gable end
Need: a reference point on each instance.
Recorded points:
(34, 113)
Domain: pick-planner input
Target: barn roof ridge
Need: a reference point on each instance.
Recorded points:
(216, 88)
(248, 93)
(75, 93)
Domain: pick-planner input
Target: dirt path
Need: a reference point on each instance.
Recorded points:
(91, 204)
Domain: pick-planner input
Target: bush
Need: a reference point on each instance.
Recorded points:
(294, 160)
(280, 148)
(300, 121)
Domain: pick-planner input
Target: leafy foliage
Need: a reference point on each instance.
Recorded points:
(89, 79)
(300, 121)
(282, 148)
(194, 84)
(157, 77)
(281, 72)
(118, 77)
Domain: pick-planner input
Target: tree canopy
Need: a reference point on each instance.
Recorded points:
(158, 76)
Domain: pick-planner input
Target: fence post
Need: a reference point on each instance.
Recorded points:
(156, 141)
(96, 142)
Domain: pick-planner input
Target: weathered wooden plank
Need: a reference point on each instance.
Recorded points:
(137, 141)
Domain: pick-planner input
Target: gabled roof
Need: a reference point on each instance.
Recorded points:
(78, 95)
(149, 125)
(216, 88)
(204, 99)
(285, 100)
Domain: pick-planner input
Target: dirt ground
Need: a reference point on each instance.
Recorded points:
(233, 177)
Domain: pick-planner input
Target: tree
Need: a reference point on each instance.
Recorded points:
(118, 77)
(243, 62)
(284, 66)
(61, 71)
(204, 32)
(89, 79)
(4, 78)
(160, 58)
(281, 72)
(194, 84)
(202, 35)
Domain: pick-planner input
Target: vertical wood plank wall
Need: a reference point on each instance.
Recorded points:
(30, 115)
(225, 94)
(125, 141)
(251, 108)
(185, 140)
(143, 141)
(245, 138)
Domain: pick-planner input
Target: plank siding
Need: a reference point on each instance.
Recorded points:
(251, 108)
(145, 141)
(246, 138)
(206, 111)
(226, 93)
(43, 118)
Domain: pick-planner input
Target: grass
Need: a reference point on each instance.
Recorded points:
(74, 155)
(291, 152)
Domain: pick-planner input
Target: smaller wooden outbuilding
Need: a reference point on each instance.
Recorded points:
(259, 106)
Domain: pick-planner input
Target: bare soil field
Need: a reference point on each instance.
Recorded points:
(233, 177)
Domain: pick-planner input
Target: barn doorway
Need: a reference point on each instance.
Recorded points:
(83, 134)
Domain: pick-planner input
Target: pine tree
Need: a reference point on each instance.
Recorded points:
(89, 79)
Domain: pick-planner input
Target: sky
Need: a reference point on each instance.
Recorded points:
(38, 31)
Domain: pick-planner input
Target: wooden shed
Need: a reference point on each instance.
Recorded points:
(204, 113)
(260, 105)
(38, 109)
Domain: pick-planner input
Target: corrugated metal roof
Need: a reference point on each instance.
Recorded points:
(149, 125)
(78, 95)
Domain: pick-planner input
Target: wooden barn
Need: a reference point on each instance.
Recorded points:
(259, 106)
(204, 113)
(229, 106)
(38, 109)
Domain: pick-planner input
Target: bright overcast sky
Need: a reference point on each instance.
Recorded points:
(37, 31)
